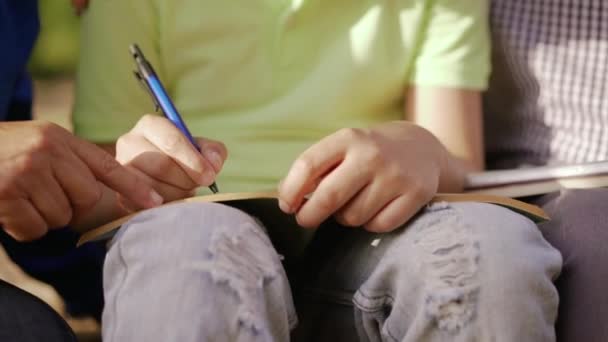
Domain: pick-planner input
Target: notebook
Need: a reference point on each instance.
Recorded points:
(264, 206)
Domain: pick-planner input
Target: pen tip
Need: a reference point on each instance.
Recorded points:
(214, 188)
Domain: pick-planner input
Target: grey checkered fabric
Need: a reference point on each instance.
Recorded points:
(548, 96)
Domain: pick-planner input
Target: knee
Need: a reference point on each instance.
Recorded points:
(212, 236)
(467, 238)
(454, 259)
(223, 255)
(185, 229)
(511, 247)
(473, 251)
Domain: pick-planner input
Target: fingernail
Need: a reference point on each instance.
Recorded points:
(285, 207)
(214, 158)
(156, 198)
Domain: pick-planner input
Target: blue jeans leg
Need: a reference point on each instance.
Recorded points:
(457, 272)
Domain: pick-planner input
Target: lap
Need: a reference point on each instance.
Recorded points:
(472, 226)
(219, 259)
(472, 240)
(467, 244)
(356, 251)
(25, 318)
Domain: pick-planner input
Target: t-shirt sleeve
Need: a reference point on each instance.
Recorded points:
(109, 100)
(454, 49)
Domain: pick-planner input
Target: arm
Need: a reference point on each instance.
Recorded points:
(379, 177)
(110, 104)
(450, 72)
(160, 155)
(454, 116)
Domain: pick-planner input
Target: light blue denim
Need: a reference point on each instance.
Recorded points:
(209, 272)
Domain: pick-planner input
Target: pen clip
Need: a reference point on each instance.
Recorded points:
(144, 85)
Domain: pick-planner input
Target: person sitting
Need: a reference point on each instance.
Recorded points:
(547, 103)
(371, 108)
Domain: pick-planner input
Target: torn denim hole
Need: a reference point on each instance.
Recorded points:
(244, 259)
(451, 257)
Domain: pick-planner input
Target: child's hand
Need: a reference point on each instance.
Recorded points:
(159, 152)
(377, 178)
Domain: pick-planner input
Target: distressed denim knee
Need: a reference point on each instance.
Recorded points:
(462, 272)
(195, 272)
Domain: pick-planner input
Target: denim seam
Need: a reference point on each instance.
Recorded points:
(374, 297)
(378, 308)
(373, 308)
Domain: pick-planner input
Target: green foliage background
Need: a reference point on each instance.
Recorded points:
(56, 50)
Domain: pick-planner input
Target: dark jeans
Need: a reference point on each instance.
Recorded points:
(25, 318)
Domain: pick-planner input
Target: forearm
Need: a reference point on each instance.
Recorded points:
(452, 169)
(454, 118)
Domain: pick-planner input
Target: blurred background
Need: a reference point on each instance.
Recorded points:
(53, 64)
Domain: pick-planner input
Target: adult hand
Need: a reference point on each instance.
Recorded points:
(377, 178)
(162, 155)
(48, 177)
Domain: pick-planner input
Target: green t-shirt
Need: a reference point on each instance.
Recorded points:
(271, 77)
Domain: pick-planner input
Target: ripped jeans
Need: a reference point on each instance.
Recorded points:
(209, 272)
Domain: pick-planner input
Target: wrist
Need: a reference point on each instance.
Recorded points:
(452, 170)
(453, 173)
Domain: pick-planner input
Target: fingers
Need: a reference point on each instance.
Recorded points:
(333, 192)
(377, 178)
(170, 192)
(50, 201)
(394, 215)
(78, 183)
(155, 164)
(27, 225)
(305, 172)
(171, 141)
(366, 204)
(108, 171)
(214, 151)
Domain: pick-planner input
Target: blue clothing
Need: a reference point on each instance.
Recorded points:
(19, 26)
(75, 273)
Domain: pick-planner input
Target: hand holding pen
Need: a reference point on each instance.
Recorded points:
(173, 162)
(147, 76)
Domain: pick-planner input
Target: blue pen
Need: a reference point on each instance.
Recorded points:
(147, 76)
